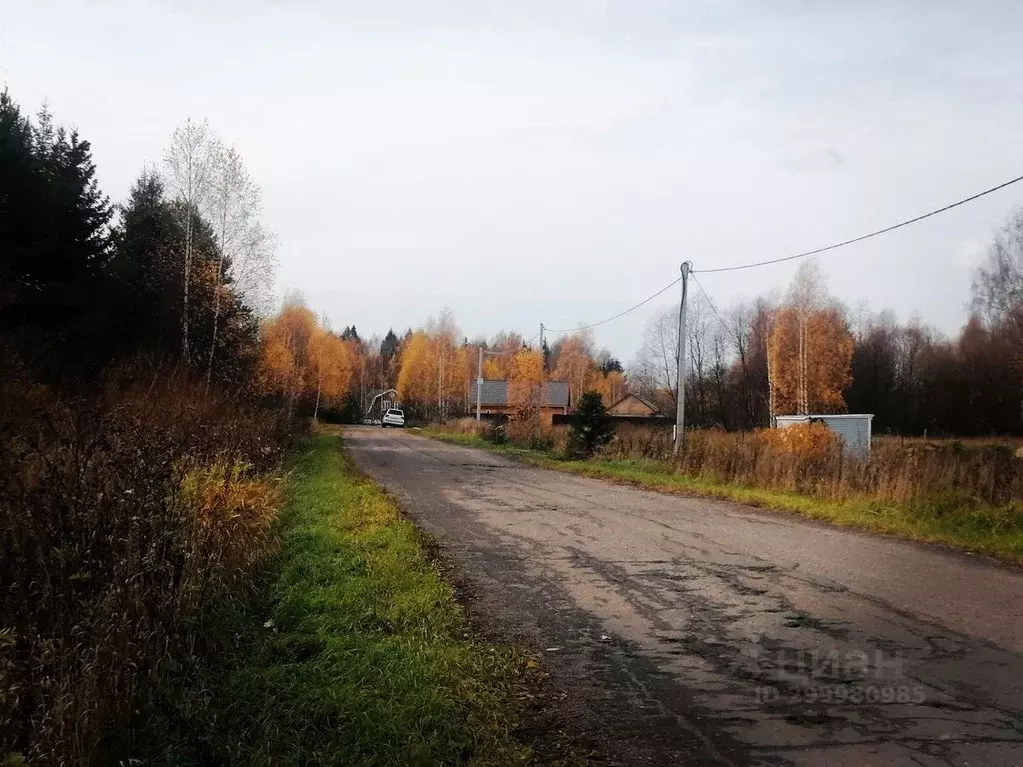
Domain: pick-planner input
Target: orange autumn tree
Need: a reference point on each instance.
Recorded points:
(575, 364)
(499, 366)
(284, 351)
(301, 361)
(809, 349)
(525, 387)
(612, 386)
(332, 363)
(417, 374)
(434, 369)
(493, 370)
(460, 377)
(452, 364)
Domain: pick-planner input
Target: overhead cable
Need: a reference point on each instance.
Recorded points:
(867, 236)
(709, 302)
(647, 300)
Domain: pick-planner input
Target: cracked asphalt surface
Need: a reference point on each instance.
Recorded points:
(688, 631)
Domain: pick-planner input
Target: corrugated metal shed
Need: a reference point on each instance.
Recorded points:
(495, 394)
(854, 428)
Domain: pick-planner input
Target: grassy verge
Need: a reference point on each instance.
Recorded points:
(363, 655)
(961, 523)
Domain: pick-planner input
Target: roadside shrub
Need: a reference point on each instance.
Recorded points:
(496, 433)
(127, 522)
(543, 442)
(805, 441)
(522, 427)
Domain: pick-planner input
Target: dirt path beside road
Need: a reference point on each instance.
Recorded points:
(688, 631)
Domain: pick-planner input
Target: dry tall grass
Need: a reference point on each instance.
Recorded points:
(517, 431)
(811, 460)
(895, 471)
(470, 426)
(124, 522)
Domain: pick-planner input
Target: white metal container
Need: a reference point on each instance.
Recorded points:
(853, 428)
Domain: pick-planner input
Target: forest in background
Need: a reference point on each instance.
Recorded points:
(801, 352)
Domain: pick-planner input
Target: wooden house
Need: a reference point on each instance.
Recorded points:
(494, 404)
(634, 409)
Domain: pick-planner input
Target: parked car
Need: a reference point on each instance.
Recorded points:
(393, 417)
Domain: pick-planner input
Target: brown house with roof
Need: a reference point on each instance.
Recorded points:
(494, 403)
(634, 409)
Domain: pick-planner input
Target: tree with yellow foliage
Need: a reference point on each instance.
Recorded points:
(493, 370)
(500, 365)
(435, 371)
(301, 359)
(575, 364)
(810, 350)
(284, 351)
(612, 386)
(417, 373)
(527, 378)
(525, 389)
(332, 364)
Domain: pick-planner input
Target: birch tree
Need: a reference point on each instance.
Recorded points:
(233, 205)
(807, 295)
(574, 362)
(188, 162)
(815, 384)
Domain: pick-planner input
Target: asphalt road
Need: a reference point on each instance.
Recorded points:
(688, 631)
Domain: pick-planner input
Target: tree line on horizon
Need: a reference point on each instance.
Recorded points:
(181, 273)
(801, 353)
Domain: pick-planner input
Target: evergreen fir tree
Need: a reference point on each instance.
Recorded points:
(389, 347)
(592, 427)
(146, 269)
(54, 221)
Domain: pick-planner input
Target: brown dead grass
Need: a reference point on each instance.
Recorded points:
(901, 471)
(128, 522)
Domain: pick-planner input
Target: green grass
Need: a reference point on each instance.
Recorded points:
(363, 655)
(962, 523)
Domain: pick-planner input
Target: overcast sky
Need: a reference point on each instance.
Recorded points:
(554, 160)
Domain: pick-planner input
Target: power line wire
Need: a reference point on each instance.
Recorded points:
(709, 302)
(647, 300)
(867, 236)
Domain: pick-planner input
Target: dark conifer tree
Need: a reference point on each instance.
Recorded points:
(388, 348)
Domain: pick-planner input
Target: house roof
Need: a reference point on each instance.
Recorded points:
(653, 408)
(495, 394)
